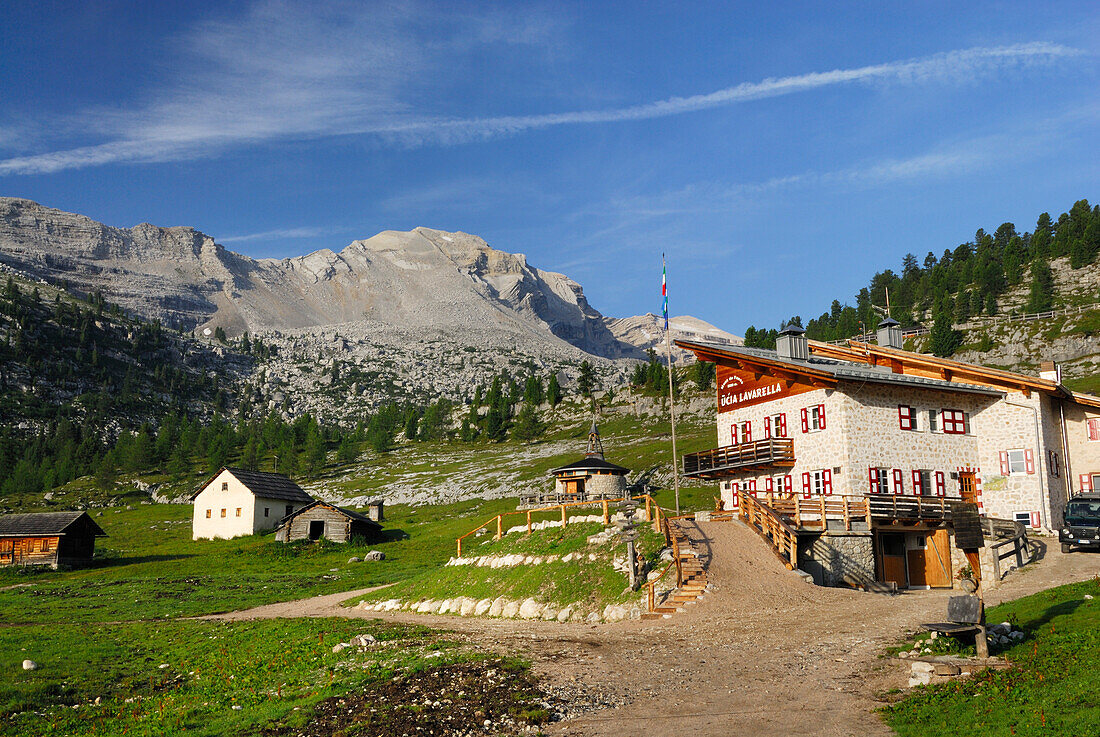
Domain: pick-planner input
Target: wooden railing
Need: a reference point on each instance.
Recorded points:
(1007, 533)
(769, 452)
(816, 511)
(770, 525)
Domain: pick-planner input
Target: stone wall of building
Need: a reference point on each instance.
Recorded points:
(605, 485)
(1084, 454)
(838, 558)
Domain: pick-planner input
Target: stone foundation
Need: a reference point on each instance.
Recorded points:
(838, 558)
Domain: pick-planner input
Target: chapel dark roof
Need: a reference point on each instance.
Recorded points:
(591, 463)
(265, 485)
(46, 523)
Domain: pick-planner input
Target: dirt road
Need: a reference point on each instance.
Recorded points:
(764, 653)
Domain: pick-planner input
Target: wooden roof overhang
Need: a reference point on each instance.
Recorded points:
(759, 366)
(933, 367)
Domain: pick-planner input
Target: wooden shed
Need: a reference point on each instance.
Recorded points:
(48, 539)
(321, 519)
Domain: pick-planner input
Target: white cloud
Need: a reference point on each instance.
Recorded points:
(285, 233)
(286, 72)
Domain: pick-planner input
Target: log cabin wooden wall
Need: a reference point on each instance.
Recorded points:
(29, 551)
(336, 524)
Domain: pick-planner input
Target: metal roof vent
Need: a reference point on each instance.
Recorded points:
(792, 343)
(889, 333)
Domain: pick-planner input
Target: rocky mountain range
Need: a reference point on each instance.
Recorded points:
(424, 279)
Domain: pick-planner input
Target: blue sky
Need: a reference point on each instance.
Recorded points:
(779, 153)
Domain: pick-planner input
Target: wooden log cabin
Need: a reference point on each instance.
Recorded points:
(854, 453)
(323, 520)
(52, 539)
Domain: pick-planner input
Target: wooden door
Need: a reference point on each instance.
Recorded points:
(918, 569)
(967, 487)
(937, 560)
(892, 546)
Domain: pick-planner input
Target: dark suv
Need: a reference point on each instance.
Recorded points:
(1082, 522)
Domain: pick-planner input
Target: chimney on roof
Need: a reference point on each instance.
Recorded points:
(1050, 371)
(889, 333)
(792, 343)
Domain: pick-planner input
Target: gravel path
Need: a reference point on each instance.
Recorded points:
(764, 653)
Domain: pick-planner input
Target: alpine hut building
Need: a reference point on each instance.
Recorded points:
(52, 539)
(864, 449)
(323, 520)
(237, 502)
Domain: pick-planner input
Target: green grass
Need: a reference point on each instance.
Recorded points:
(189, 677)
(1051, 688)
(592, 584)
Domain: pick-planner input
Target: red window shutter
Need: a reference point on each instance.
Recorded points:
(1086, 482)
(821, 411)
(941, 486)
(752, 484)
(916, 483)
(899, 484)
(872, 479)
(805, 419)
(735, 489)
(901, 417)
(747, 433)
(769, 484)
(733, 434)
(767, 428)
(1035, 520)
(788, 484)
(827, 481)
(783, 425)
(806, 485)
(1094, 429)
(1029, 461)
(1004, 462)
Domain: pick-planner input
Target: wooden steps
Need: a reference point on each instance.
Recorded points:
(693, 585)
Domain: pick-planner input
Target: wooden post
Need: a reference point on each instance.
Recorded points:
(528, 521)
(606, 513)
(500, 527)
(563, 516)
(648, 511)
(981, 644)
(459, 547)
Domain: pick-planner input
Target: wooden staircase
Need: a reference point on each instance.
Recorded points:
(690, 573)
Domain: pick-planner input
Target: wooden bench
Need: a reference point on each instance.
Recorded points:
(964, 614)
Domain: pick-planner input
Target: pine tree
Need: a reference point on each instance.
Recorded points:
(553, 391)
(528, 426)
(944, 339)
(1041, 297)
(586, 381)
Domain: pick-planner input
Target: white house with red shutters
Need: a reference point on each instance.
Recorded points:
(812, 420)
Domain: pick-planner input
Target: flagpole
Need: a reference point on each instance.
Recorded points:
(671, 396)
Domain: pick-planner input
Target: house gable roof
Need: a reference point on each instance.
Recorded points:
(821, 371)
(47, 523)
(263, 484)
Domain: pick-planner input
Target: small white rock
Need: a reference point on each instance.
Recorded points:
(30, 665)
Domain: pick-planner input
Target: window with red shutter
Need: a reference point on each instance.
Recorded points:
(941, 485)
(788, 485)
(1029, 461)
(1094, 428)
(916, 483)
(767, 428)
(805, 419)
(805, 484)
(954, 422)
(827, 481)
(746, 432)
(733, 434)
(769, 484)
(899, 483)
(1086, 482)
(821, 417)
(783, 424)
(907, 417)
(1003, 455)
(872, 479)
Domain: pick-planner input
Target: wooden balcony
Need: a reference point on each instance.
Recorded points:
(729, 459)
(861, 511)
